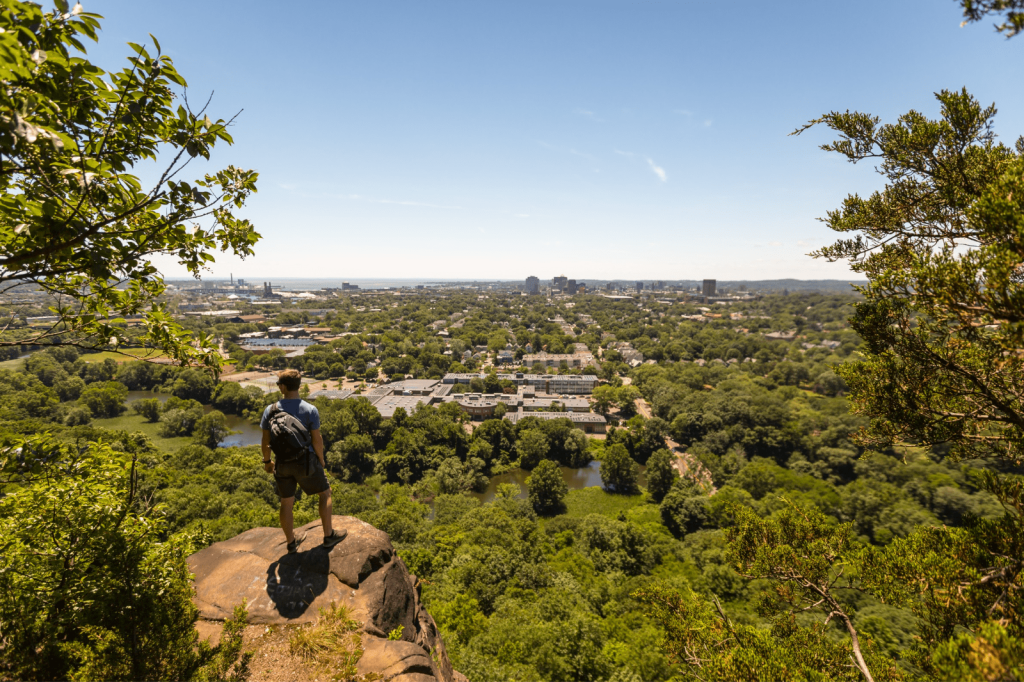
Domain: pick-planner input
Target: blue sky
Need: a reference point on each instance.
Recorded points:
(599, 139)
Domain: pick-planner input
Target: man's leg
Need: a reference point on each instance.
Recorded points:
(286, 517)
(326, 510)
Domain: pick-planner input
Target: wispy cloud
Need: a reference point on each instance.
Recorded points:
(684, 112)
(708, 122)
(582, 155)
(522, 215)
(569, 151)
(398, 202)
(657, 170)
(589, 114)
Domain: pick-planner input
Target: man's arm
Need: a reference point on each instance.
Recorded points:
(318, 445)
(268, 463)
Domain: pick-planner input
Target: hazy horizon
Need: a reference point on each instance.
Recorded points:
(369, 282)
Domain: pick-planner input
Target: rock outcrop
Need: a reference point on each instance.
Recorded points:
(362, 572)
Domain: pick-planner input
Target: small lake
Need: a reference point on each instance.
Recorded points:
(576, 479)
(248, 434)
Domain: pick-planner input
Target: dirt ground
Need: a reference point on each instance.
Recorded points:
(272, 661)
(264, 380)
(246, 376)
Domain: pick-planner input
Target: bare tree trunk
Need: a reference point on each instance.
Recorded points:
(855, 642)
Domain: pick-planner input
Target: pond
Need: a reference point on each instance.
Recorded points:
(577, 479)
(248, 434)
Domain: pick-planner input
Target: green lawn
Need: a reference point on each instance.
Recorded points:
(132, 422)
(136, 353)
(596, 501)
(13, 365)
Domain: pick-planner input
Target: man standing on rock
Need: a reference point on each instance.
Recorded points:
(291, 430)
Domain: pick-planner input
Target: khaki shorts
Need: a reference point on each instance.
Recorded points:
(289, 475)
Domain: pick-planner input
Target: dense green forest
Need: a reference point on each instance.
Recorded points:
(540, 584)
(853, 501)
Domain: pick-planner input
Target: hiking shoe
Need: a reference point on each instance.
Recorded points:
(334, 538)
(293, 546)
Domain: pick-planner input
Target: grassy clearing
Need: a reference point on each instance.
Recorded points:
(125, 355)
(13, 365)
(132, 422)
(597, 501)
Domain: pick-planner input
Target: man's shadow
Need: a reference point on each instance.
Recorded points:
(295, 580)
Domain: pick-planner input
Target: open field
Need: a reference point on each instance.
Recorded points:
(594, 500)
(133, 422)
(13, 365)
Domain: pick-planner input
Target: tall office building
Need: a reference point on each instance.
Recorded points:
(709, 287)
(570, 287)
(532, 285)
(559, 282)
(639, 286)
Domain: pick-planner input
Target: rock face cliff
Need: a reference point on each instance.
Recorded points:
(362, 572)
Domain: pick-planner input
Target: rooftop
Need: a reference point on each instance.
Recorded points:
(387, 404)
(331, 394)
(575, 417)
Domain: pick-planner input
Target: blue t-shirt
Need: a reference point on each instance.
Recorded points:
(298, 408)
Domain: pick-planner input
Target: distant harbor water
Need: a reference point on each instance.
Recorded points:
(299, 284)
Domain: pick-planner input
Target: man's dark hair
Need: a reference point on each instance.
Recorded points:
(290, 378)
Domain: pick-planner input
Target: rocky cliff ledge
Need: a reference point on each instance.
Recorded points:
(362, 572)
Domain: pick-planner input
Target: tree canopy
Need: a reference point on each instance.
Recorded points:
(75, 219)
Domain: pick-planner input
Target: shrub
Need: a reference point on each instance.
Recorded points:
(106, 400)
(547, 487)
(180, 422)
(618, 470)
(148, 408)
(89, 589)
(211, 429)
(660, 474)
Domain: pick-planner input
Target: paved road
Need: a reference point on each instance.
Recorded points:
(643, 409)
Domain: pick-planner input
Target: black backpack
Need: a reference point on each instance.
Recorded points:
(289, 437)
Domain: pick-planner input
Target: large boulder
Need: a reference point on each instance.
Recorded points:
(362, 571)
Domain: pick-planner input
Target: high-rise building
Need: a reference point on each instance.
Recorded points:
(570, 286)
(709, 287)
(559, 282)
(532, 285)
(639, 286)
